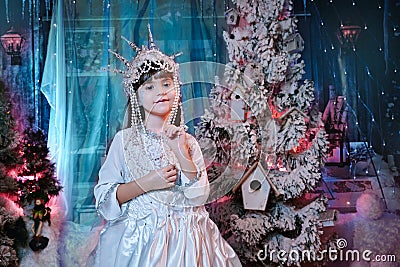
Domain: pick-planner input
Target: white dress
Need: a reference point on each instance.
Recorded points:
(167, 227)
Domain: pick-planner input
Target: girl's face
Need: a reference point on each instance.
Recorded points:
(157, 96)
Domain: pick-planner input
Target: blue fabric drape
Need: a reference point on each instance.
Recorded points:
(88, 104)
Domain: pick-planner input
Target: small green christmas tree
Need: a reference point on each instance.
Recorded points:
(8, 134)
(36, 177)
(8, 142)
(13, 232)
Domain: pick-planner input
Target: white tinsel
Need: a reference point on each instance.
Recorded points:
(244, 141)
(267, 133)
(270, 9)
(257, 101)
(233, 74)
(296, 69)
(305, 96)
(235, 47)
(292, 129)
(220, 104)
(276, 71)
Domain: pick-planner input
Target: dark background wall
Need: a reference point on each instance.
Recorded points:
(368, 75)
(32, 20)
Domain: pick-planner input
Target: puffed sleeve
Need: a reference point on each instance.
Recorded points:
(196, 190)
(110, 177)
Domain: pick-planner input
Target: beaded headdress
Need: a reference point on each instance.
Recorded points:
(148, 59)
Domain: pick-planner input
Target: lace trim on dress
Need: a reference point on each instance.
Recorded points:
(194, 180)
(190, 183)
(106, 197)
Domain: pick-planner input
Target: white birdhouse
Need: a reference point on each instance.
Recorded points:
(294, 43)
(232, 17)
(256, 186)
(238, 107)
(328, 218)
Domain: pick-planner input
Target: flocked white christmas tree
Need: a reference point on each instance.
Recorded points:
(279, 131)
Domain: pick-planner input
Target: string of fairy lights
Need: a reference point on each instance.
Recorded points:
(327, 41)
(371, 34)
(108, 43)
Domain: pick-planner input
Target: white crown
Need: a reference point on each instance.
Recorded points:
(146, 59)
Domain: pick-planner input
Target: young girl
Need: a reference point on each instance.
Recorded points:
(153, 184)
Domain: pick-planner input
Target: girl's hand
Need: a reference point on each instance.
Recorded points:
(176, 140)
(158, 179)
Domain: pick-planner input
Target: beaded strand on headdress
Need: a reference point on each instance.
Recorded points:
(147, 59)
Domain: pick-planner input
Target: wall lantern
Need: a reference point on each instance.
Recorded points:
(12, 43)
(348, 34)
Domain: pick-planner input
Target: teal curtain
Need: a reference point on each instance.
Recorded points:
(87, 103)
